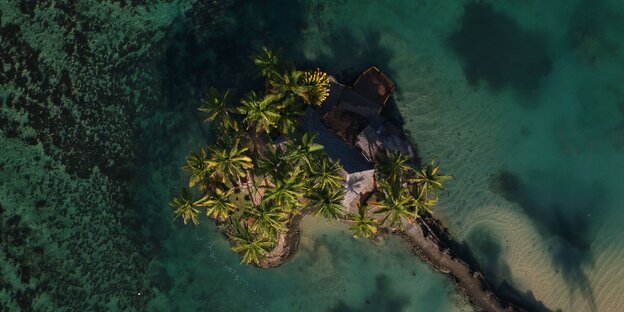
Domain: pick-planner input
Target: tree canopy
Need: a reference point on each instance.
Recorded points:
(244, 181)
(261, 171)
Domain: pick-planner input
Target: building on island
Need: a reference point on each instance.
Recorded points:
(350, 125)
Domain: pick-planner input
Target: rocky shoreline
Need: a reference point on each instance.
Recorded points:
(287, 244)
(471, 283)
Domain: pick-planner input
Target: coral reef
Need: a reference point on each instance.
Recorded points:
(77, 78)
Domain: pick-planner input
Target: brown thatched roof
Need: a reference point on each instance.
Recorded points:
(374, 85)
(345, 124)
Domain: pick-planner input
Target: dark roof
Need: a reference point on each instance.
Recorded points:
(345, 124)
(351, 158)
(356, 103)
(351, 128)
(335, 92)
(374, 85)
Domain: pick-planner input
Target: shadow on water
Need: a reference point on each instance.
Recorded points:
(495, 49)
(350, 55)
(564, 222)
(210, 45)
(383, 298)
(483, 242)
(486, 244)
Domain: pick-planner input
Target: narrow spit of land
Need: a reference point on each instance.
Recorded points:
(470, 283)
(425, 245)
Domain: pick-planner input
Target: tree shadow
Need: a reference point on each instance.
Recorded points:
(353, 183)
(569, 233)
(483, 242)
(350, 55)
(495, 49)
(210, 45)
(213, 44)
(383, 298)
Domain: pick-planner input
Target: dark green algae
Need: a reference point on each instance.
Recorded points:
(83, 110)
(96, 97)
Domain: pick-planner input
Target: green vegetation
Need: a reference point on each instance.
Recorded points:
(253, 180)
(429, 181)
(405, 193)
(363, 223)
(183, 207)
(261, 173)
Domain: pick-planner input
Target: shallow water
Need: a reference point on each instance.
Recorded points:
(520, 101)
(331, 272)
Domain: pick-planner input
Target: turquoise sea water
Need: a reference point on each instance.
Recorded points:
(521, 101)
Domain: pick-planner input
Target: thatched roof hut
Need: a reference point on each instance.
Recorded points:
(350, 127)
(358, 104)
(374, 85)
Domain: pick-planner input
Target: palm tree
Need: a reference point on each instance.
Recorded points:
(423, 204)
(312, 87)
(316, 89)
(327, 174)
(219, 107)
(394, 167)
(196, 164)
(183, 207)
(396, 205)
(269, 219)
(363, 224)
(286, 192)
(229, 160)
(327, 203)
(303, 150)
(429, 181)
(251, 246)
(261, 113)
(289, 115)
(218, 204)
(286, 83)
(274, 163)
(268, 61)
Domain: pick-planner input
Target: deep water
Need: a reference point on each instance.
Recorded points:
(521, 101)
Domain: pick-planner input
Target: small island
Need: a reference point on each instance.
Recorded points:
(307, 144)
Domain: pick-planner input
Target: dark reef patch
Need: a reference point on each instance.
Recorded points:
(588, 35)
(568, 234)
(494, 48)
(383, 298)
(47, 97)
